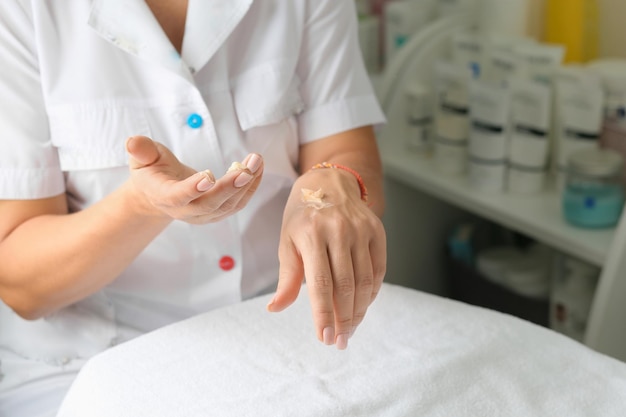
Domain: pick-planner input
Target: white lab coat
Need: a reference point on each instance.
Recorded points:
(80, 76)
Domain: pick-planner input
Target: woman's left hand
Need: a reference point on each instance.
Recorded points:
(340, 249)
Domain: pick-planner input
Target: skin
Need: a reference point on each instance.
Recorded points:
(45, 274)
(340, 249)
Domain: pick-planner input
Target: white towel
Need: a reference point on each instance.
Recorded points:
(414, 355)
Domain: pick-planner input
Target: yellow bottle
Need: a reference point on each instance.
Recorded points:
(574, 24)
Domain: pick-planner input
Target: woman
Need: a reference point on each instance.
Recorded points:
(112, 225)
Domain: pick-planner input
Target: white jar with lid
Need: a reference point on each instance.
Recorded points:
(593, 195)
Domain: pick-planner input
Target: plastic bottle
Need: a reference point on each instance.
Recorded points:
(419, 117)
(574, 23)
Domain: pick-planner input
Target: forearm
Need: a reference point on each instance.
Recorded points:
(54, 260)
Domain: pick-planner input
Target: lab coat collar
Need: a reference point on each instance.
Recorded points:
(209, 22)
(131, 26)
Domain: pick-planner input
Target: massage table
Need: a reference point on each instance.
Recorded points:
(415, 354)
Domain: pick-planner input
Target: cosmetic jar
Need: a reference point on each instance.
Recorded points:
(593, 195)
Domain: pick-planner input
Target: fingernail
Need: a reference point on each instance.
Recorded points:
(254, 162)
(207, 182)
(243, 179)
(342, 341)
(329, 335)
(269, 305)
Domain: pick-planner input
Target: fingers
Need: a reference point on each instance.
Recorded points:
(319, 283)
(237, 202)
(378, 251)
(355, 285)
(143, 151)
(290, 277)
(180, 192)
(206, 182)
(225, 191)
(344, 263)
(253, 163)
(231, 192)
(364, 275)
(343, 279)
(184, 192)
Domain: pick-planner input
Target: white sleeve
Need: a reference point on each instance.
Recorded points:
(29, 166)
(335, 86)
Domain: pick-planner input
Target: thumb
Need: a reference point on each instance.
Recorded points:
(142, 150)
(290, 278)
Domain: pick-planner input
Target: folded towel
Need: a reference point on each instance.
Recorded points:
(415, 354)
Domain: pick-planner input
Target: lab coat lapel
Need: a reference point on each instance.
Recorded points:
(131, 26)
(209, 22)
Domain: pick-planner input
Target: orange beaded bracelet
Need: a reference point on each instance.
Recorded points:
(350, 170)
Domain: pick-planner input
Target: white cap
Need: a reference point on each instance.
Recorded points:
(596, 162)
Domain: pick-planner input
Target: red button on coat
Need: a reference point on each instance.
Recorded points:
(227, 263)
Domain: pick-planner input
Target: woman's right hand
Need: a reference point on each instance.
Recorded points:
(167, 188)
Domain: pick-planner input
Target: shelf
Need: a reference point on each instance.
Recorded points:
(537, 216)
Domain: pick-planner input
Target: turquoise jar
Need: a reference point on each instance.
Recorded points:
(593, 196)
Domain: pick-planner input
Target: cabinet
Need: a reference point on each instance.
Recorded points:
(423, 204)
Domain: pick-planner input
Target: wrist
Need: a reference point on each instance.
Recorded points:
(336, 185)
(359, 180)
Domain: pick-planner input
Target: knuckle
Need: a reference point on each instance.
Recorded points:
(228, 206)
(379, 272)
(344, 322)
(323, 283)
(342, 226)
(254, 185)
(344, 286)
(358, 317)
(374, 294)
(377, 224)
(311, 224)
(366, 282)
(323, 312)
